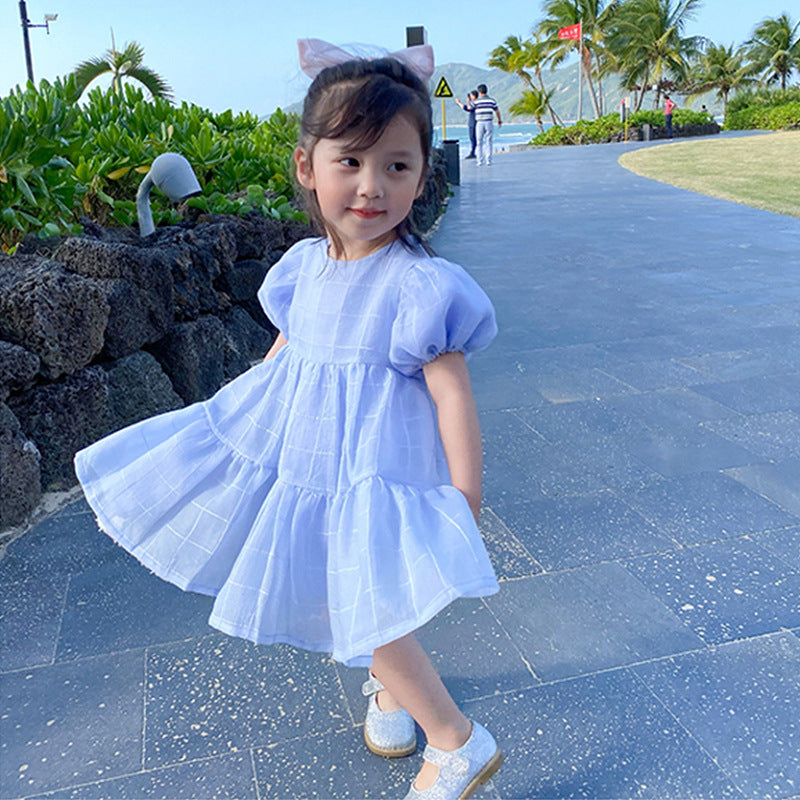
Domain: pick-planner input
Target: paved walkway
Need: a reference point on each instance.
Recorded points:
(641, 413)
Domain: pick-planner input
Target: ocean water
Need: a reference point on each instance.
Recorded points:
(504, 136)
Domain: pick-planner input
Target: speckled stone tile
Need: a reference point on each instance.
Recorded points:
(784, 543)
(333, 766)
(778, 482)
(469, 649)
(598, 737)
(220, 694)
(567, 386)
(774, 436)
(122, 605)
(69, 724)
(684, 451)
(508, 555)
(63, 544)
(756, 395)
(705, 507)
(509, 460)
(669, 408)
(741, 364)
(578, 622)
(739, 701)
(219, 778)
(580, 530)
(724, 590)
(30, 618)
(648, 376)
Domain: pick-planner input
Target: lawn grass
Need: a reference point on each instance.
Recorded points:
(761, 171)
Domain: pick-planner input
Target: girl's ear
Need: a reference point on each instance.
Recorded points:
(305, 175)
(421, 187)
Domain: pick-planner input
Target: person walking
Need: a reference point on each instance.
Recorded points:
(669, 107)
(485, 106)
(469, 107)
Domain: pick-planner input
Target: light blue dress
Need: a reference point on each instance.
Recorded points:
(310, 496)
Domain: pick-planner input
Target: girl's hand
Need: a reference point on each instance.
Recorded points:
(280, 341)
(447, 378)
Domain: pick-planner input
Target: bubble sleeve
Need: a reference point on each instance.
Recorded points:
(277, 290)
(441, 309)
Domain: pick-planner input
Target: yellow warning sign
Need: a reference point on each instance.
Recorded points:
(442, 89)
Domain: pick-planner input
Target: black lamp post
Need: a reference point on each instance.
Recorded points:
(26, 23)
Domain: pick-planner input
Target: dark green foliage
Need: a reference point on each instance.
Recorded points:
(763, 97)
(764, 117)
(60, 161)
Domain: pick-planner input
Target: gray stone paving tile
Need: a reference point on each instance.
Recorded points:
(756, 395)
(577, 422)
(647, 349)
(685, 451)
(222, 778)
(739, 701)
(573, 531)
(705, 507)
(582, 621)
(774, 436)
(508, 555)
(329, 767)
(669, 408)
(741, 364)
(723, 590)
(568, 386)
(218, 694)
(648, 376)
(784, 543)
(473, 654)
(30, 617)
(68, 724)
(602, 736)
(509, 456)
(120, 606)
(63, 544)
(778, 482)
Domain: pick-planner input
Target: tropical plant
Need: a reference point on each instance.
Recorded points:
(774, 48)
(125, 63)
(647, 39)
(721, 68)
(533, 103)
(517, 56)
(595, 17)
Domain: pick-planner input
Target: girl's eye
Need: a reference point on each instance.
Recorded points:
(399, 166)
(349, 162)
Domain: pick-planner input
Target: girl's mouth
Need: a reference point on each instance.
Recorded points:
(367, 213)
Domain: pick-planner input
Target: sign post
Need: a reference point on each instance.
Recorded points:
(450, 146)
(443, 90)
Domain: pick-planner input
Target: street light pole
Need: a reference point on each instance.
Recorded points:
(23, 15)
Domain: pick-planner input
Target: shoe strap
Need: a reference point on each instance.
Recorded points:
(449, 759)
(371, 686)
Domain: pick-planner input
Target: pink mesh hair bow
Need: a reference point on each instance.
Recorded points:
(316, 55)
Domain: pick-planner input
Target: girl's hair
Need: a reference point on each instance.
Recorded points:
(356, 100)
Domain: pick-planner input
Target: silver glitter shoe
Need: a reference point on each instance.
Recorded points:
(387, 733)
(461, 771)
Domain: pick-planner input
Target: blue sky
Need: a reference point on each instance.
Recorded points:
(242, 55)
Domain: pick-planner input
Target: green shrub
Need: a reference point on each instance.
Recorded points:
(764, 117)
(60, 160)
(763, 97)
(599, 130)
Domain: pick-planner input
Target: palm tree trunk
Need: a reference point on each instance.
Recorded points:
(587, 69)
(556, 120)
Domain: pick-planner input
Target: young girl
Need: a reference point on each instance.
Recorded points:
(328, 497)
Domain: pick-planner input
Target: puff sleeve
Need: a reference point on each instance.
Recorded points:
(441, 309)
(277, 290)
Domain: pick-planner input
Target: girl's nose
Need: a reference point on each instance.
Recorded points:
(370, 184)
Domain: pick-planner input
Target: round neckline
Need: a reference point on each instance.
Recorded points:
(355, 261)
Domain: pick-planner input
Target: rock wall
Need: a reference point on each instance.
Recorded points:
(637, 134)
(101, 330)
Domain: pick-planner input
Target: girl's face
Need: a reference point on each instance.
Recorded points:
(365, 194)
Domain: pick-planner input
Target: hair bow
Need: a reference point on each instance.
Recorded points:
(316, 55)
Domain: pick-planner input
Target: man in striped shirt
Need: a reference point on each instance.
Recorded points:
(485, 106)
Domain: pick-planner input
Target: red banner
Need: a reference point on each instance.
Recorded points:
(570, 32)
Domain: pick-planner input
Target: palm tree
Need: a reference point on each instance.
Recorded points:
(517, 56)
(595, 17)
(533, 103)
(721, 68)
(774, 48)
(126, 63)
(647, 38)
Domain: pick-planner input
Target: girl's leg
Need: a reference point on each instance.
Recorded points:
(405, 670)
